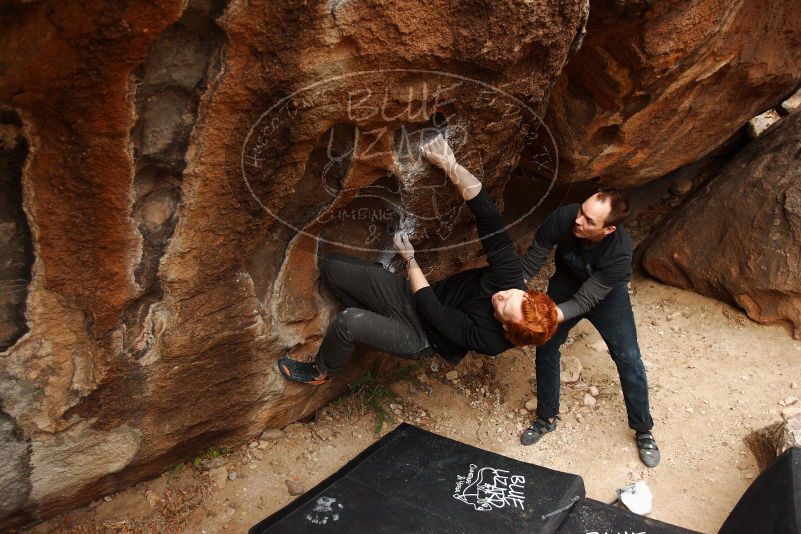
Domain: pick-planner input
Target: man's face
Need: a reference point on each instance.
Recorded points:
(508, 305)
(589, 223)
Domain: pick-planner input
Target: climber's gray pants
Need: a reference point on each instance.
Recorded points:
(379, 312)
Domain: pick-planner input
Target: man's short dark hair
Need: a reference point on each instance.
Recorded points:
(618, 203)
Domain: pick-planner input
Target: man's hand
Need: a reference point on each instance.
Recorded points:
(439, 153)
(403, 246)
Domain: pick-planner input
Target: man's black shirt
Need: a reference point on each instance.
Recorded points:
(594, 268)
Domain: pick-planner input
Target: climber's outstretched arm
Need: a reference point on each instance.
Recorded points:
(505, 268)
(440, 154)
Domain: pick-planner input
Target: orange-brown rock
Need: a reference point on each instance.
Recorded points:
(658, 85)
(183, 167)
(769, 442)
(739, 238)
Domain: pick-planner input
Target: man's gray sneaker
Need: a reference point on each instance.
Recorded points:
(539, 428)
(649, 452)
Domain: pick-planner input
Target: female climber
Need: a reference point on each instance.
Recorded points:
(487, 310)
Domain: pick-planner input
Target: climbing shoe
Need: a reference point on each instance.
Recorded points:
(649, 452)
(296, 371)
(538, 428)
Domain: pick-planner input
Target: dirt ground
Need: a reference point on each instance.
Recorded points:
(714, 376)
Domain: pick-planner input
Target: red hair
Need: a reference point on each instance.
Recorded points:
(539, 320)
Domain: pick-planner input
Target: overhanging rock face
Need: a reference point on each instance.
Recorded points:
(181, 168)
(657, 85)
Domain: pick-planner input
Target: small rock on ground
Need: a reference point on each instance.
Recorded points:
(209, 464)
(571, 369)
(152, 498)
(271, 434)
(219, 476)
(295, 488)
(324, 433)
(681, 186)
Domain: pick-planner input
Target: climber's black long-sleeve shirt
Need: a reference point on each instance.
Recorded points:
(457, 313)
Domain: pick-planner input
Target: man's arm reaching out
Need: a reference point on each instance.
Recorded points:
(591, 292)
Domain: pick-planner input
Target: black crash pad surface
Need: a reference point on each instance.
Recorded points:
(412, 480)
(594, 517)
(772, 503)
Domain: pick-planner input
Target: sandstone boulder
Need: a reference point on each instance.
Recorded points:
(739, 238)
(177, 168)
(657, 85)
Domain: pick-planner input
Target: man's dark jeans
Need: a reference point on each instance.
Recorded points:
(379, 312)
(614, 320)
